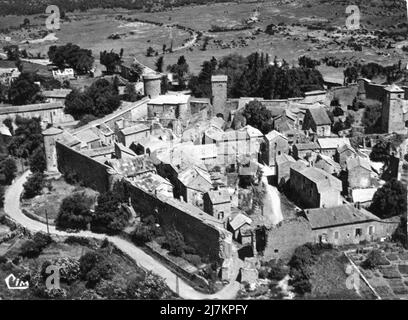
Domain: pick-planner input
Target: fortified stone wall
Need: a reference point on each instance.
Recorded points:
(93, 173)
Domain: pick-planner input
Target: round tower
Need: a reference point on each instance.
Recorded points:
(152, 85)
(50, 136)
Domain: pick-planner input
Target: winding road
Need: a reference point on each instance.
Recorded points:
(185, 291)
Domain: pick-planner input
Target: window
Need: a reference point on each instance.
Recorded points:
(359, 232)
(276, 251)
(336, 235)
(371, 230)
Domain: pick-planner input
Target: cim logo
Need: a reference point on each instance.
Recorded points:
(14, 283)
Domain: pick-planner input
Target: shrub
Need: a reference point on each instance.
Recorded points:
(77, 240)
(74, 212)
(94, 267)
(374, 259)
(142, 234)
(3, 259)
(33, 248)
(34, 185)
(149, 286)
(193, 259)
(277, 271)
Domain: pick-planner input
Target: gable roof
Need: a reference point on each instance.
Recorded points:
(321, 218)
(329, 161)
(140, 127)
(319, 116)
(363, 195)
(333, 143)
(355, 162)
(307, 146)
(239, 220)
(274, 134)
(189, 178)
(219, 196)
(282, 158)
(323, 180)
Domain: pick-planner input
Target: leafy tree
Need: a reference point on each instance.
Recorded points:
(27, 137)
(24, 90)
(79, 104)
(307, 62)
(374, 259)
(105, 97)
(148, 286)
(143, 233)
(175, 242)
(371, 119)
(136, 72)
(110, 60)
(381, 151)
(149, 52)
(71, 55)
(108, 216)
(390, 200)
(94, 266)
(3, 93)
(130, 93)
(180, 69)
(8, 167)
(12, 51)
(159, 64)
(351, 74)
(37, 160)
(85, 119)
(258, 116)
(74, 212)
(34, 185)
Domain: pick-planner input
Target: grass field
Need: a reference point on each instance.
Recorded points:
(91, 30)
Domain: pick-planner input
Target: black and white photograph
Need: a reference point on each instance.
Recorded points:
(210, 157)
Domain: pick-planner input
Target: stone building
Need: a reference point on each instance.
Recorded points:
(168, 108)
(305, 150)
(327, 164)
(283, 164)
(317, 120)
(219, 94)
(134, 133)
(51, 135)
(347, 224)
(275, 144)
(218, 203)
(344, 153)
(329, 146)
(315, 188)
(359, 173)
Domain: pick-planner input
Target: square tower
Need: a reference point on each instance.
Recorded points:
(219, 94)
(392, 112)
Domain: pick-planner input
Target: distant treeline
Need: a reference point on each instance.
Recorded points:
(24, 7)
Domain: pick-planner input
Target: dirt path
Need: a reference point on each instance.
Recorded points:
(185, 291)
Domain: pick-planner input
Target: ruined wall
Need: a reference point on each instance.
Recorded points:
(282, 240)
(93, 173)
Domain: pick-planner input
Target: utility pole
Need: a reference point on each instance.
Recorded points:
(46, 218)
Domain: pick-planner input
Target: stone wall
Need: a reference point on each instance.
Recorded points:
(91, 172)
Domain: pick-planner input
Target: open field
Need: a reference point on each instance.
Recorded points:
(305, 28)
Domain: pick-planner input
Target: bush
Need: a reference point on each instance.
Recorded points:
(374, 259)
(3, 259)
(142, 234)
(277, 271)
(149, 286)
(74, 212)
(33, 248)
(193, 259)
(77, 240)
(34, 185)
(94, 267)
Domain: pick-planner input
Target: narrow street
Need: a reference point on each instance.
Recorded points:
(12, 209)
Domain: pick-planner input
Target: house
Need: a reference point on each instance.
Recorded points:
(218, 203)
(169, 107)
(133, 134)
(315, 188)
(317, 120)
(193, 183)
(283, 164)
(346, 224)
(63, 74)
(238, 226)
(327, 164)
(305, 150)
(274, 145)
(359, 172)
(329, 146)
(132, 167)
(89, 139)
(285, 121)
(123, 152)
(343, 153)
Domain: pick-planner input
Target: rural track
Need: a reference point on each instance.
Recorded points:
(185, 291)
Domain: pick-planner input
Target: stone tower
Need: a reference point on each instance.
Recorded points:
(392, 111)
(50, 136)
(152, 85)
(219, 95)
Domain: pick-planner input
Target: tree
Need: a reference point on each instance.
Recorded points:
(8, 167)
(307, 62)
(74, 212)
(371, 119)
(136, 72)
(175, 242)
(24, 90)
(390, 200)
(258, 116)
(149, 286)
(108, 216)
(34, 185)
(79, 104)
(12, 51)
(159, 64)
(2, 193)
(381, 151)
(27, 137)
(37, 160)
(70, 55)
(3, 93)
(94, 266)
(85, 119)
(110, 60)
(105, 97)
(149, 52)
(180, 69)
(130, 93)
